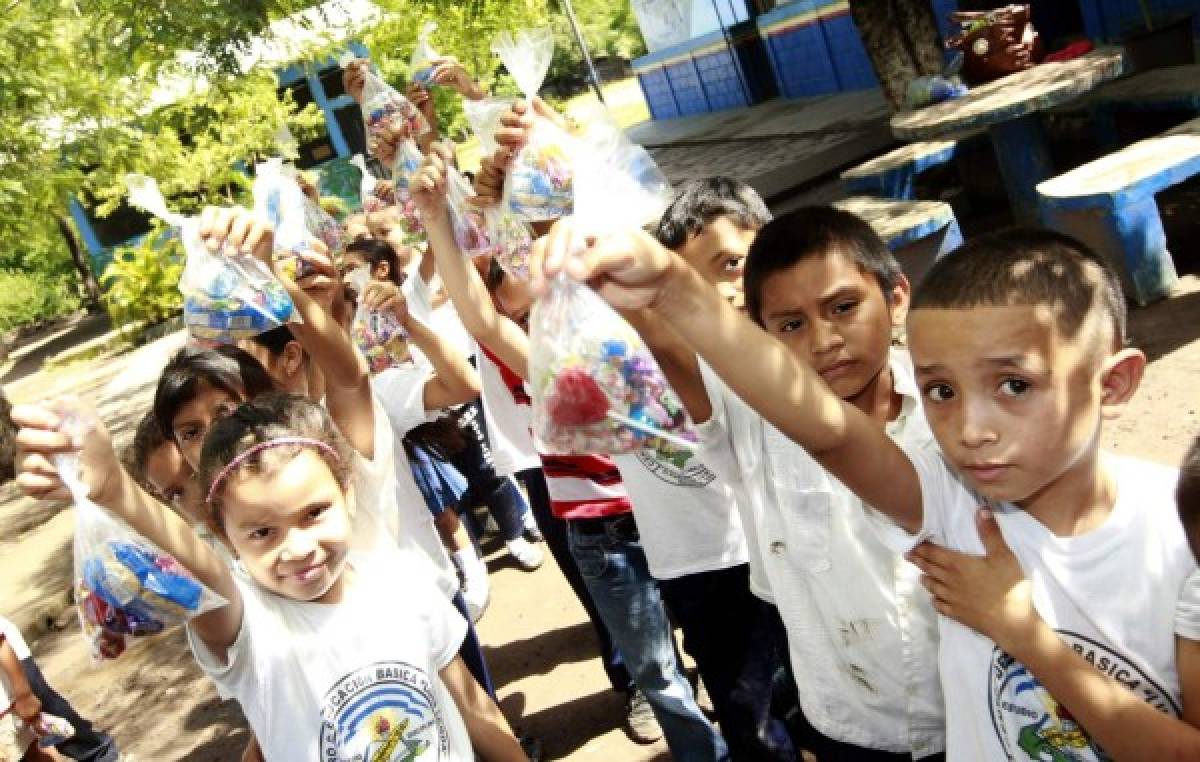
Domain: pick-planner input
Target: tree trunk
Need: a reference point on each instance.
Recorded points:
(80, 259)
(901, 39)
(8, 440)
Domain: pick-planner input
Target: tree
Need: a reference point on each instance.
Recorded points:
(901, 38)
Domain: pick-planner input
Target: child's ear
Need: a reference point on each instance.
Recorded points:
(293, 358)
(899, 297)
(1119, 379)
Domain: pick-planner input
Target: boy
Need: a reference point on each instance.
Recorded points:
(588, 492)
(1018, 344)
(860, 630)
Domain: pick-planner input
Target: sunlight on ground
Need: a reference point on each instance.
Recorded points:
(623, 98)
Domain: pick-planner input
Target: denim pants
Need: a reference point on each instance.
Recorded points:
(554, 530)
(88, 744)
(613, 566)
(499, 493)
(471, 650)
(730, 634)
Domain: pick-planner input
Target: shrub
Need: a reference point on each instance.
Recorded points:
(141, 286)
(30, 297)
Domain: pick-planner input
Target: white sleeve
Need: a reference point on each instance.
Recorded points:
(447, 629)
(1187, 609)
(726, 444)
(401, 394)
(237, 671)
(939, 488)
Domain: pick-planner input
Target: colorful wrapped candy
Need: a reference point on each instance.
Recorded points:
(384, 109)
(468, 223)
(279, 200)
(420, 66)
(408, 161)
(51, 730)
(596, 387)
(540, 182)
(377, 333)
(125, 586)
(512, 240)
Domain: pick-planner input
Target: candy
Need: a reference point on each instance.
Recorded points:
(596, 387)
(381, 338)
(541, 181)
(512, 242)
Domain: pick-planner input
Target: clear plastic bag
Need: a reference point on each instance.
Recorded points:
(408, 160)
(596, 387)
(369, 188)
(51, 730)
(377, 333)
(468, 222)
(420, 66)
(382, 106)
(511, 238)
(279, 200)
(226, 296)
(125, 586)
(324, 226)
(540, 181)
(484, 118)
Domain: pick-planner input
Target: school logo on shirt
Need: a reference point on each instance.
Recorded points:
(1031, 725)
(385, 712)
(676, 467)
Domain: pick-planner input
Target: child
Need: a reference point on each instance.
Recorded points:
(603, 537)
(308, 644)
(1187, 496)
(286, 362)
(1018, 341)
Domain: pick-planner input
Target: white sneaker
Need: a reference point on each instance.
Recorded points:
(527, 555)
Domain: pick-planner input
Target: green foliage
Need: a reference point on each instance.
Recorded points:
(27, 298)
(142, 283)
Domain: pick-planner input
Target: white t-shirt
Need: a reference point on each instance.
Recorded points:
(862, 633)
(15, 640)
(356, 680)
(508, 423)
(1113, 594)
(442, 320)
(379, 514)
(685, 514)
(401, 394)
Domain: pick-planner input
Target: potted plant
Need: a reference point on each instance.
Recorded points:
(1161, 41)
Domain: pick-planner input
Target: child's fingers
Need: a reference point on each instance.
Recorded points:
(40, 487)
(31, 440)
(35, 417)
(239, 228)
(929, 555)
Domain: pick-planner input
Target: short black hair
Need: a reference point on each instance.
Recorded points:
(815, 231)
(227, 368)
(374, 251)
(701, 201)
(1187, 493)
(275, 340)
(1029, 267)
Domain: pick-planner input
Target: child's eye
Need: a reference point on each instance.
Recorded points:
(790, 326)
(317, 511)
(844, 307)
(188, 434)
(733, 265)
(1014, 387)
(261, 533)
(939, 392)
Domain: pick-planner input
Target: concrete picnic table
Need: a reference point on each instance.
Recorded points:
(1008, 109)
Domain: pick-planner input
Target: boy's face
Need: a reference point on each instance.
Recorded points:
(1014, 403)
(170, 475)
(833, 314)
(289, 526)
(193, 420)
(718, 252)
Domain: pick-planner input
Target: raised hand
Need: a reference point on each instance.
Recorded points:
(66, 425)
(448, 71)
(384, 296)
(428, 184)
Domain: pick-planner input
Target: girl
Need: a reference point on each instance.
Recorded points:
(332, 650)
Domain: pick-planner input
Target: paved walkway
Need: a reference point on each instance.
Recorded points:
(777, 146)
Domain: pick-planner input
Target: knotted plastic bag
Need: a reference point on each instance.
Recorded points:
(279, 200)
(596, 387)
(377, 333)
(383, 108)
(484, 118)
(370, 187)
(226, 296)
(125, 586)
(408, 160)
(540, 181)
(420, 66)
(468, 222)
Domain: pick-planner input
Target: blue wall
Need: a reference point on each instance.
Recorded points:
(702, 75)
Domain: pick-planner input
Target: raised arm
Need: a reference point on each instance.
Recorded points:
(347, 378)
(632, 271)
(459, 277)
(454, 381)
(41, 437)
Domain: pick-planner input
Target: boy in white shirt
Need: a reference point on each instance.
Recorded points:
(1019, 346)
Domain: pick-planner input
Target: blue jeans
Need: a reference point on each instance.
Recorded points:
(88, 744)
(499, 493)
(613, 566)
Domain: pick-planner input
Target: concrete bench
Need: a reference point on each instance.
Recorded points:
(893, 174)
(917, 232)
(1109, 204)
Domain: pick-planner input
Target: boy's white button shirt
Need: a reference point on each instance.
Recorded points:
(861, 630)
(1117, 594)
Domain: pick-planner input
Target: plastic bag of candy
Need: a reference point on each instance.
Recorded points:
(408, 160)
(125, 585)
(484, 118)
(540, 181)
(377, 333)
(279, 199)
(383, 107)
(420, 66)
(511, 238)
(226, 296)
(470, 227)
(375, 195)
(323, 225)
(596, 387)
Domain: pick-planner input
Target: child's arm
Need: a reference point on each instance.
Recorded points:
(467, 290)
(632, 271)
(454, 381)
(24, 704)
(491, 737)
(253, 752)
(991, 595)
(111, 487)
(347, 378)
